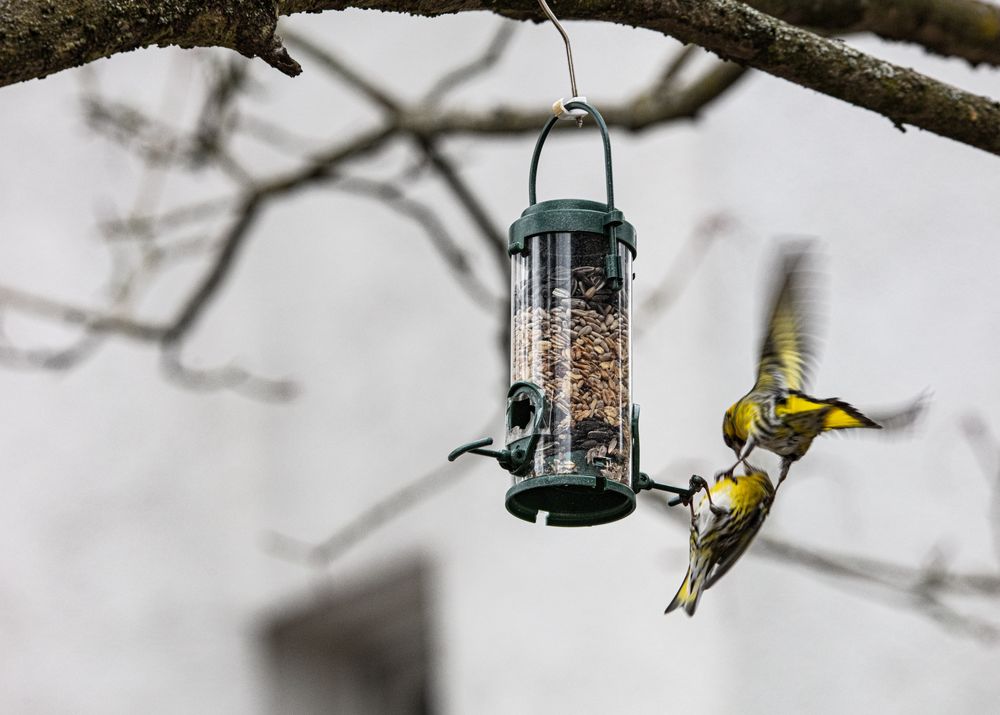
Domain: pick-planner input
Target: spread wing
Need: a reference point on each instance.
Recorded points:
(747, 532)
(788, 352)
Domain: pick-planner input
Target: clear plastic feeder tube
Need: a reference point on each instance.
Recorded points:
(570, 336)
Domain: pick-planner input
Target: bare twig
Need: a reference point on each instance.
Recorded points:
(94, 320)
(675, 65)
(274, 135)
(152, 140)
(454, 255)
(494, 239)
(209, 286)
(59, 359)
(382, 512)
(462, 74)
(342, 70)
(227, 377)
(683, 268)
(920, 588)
(145, 226)
(986, 450)
(212, 129)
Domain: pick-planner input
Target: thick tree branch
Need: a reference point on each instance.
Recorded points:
(739, 33)
(419, 122)
(36, 40)
(39, 37)
(954, 28)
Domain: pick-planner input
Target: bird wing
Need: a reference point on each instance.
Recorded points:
(809, 415)
(788, 350)
(747, 533)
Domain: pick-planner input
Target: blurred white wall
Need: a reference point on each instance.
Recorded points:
(132, 515)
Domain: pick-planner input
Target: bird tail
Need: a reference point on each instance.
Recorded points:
(837, 413)
(688, 595)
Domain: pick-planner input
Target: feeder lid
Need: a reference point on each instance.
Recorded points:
(570, 216)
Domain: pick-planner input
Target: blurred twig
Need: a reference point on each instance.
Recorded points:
(922, 589)
(387, 509)
(342, 70)
(227, 377)
(225, 224)
(986, 449)
(454, 255)
(462, 74)
(494, 238)
(682, 269)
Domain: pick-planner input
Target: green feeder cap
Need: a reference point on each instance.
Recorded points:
(569, 216)
(572, 215)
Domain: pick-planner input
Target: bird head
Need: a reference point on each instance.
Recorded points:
(730, 434)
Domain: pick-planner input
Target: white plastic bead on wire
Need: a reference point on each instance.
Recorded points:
(559, 108)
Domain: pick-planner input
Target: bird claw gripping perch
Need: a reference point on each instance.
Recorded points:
(684, 496)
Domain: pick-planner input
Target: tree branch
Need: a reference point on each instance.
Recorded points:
(38, 37)
(920, 588)
(986, 450)
(954, 28)
(683, 268)
(453, 254)
(340, 69)
(493, 237)
(94, 320)
(469, 71)
(34, 42)
(226, 377)
(387, 509)
(739, 33)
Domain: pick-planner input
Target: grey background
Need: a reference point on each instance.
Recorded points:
(132, 511)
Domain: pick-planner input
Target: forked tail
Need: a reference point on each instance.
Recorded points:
(688, 595)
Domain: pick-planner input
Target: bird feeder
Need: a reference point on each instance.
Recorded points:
(571, 429)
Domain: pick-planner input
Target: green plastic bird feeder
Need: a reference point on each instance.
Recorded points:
(570, 436)
(572, 442)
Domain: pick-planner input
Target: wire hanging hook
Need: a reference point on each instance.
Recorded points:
(569, 51)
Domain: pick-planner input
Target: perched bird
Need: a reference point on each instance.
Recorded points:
(777, 415)
(723, 524)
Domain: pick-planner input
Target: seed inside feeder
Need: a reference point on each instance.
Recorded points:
(570, 336)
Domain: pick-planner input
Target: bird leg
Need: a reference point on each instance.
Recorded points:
(696, 485)
(742, 455)
(785, 465)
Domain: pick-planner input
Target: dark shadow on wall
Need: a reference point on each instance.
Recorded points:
(362, 650)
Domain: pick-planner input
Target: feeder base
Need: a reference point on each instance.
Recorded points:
(571, 500)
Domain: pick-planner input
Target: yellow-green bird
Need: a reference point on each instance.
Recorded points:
(720, 535)
(776, 414)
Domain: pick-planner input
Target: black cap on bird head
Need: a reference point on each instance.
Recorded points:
(729, 434)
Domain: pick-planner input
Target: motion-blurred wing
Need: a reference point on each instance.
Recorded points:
(733, 556)
(788, 351)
